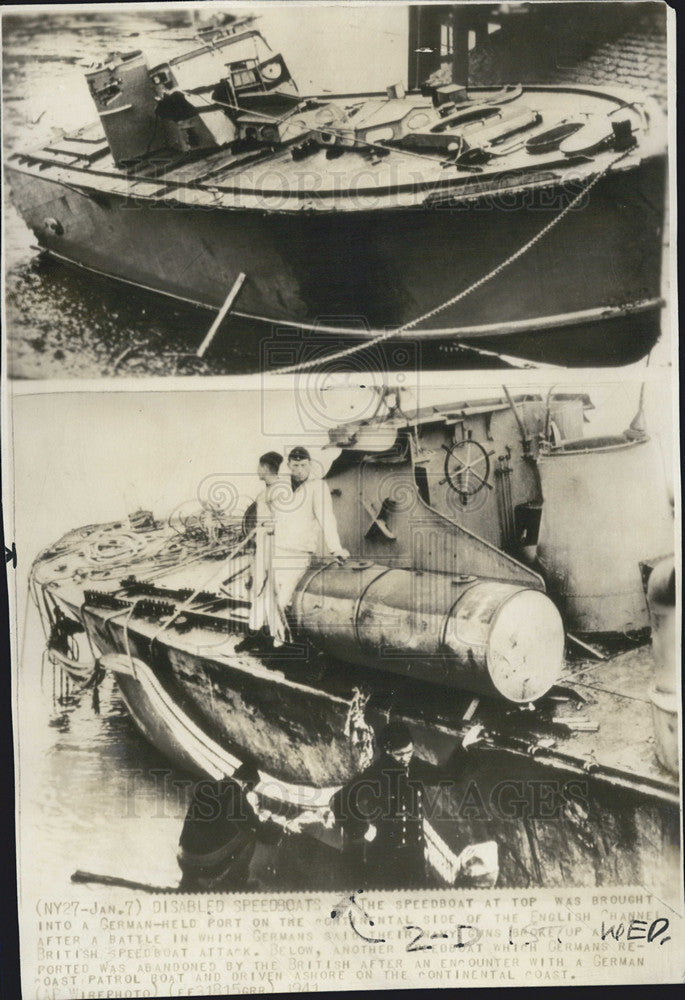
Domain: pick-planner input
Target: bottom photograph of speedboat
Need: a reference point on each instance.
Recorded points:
(434, 645)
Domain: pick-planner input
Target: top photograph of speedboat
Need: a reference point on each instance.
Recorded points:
(455, 186)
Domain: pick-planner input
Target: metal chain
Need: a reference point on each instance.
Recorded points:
(388, 334)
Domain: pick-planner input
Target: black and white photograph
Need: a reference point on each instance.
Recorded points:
(387, 655)
(341, 496)
(484, 182)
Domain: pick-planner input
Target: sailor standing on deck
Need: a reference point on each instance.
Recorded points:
(265, 611)
(304, 526)
(294, 522)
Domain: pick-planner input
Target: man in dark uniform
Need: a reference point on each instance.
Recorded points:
(382, 812)
(221, 831)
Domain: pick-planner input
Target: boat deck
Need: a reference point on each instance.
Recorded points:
(597, 718)
(245, 180)
(617, 694)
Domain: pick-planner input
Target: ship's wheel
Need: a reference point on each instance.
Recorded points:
(467, 468)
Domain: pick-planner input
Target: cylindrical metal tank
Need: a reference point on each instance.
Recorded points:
(492, 638)
(605, 509)
(125, 98)
(664, 696)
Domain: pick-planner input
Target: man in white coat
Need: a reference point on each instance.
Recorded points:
(266, 613)
(305, 526)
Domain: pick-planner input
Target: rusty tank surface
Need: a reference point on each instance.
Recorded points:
(442, 616)
(500, 639)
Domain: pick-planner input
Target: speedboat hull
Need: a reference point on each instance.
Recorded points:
(555, 819)
(593, 276)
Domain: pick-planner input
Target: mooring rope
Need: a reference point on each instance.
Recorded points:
(389, 334)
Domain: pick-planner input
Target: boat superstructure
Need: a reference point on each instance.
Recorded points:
(442, 616)
(211, 165)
